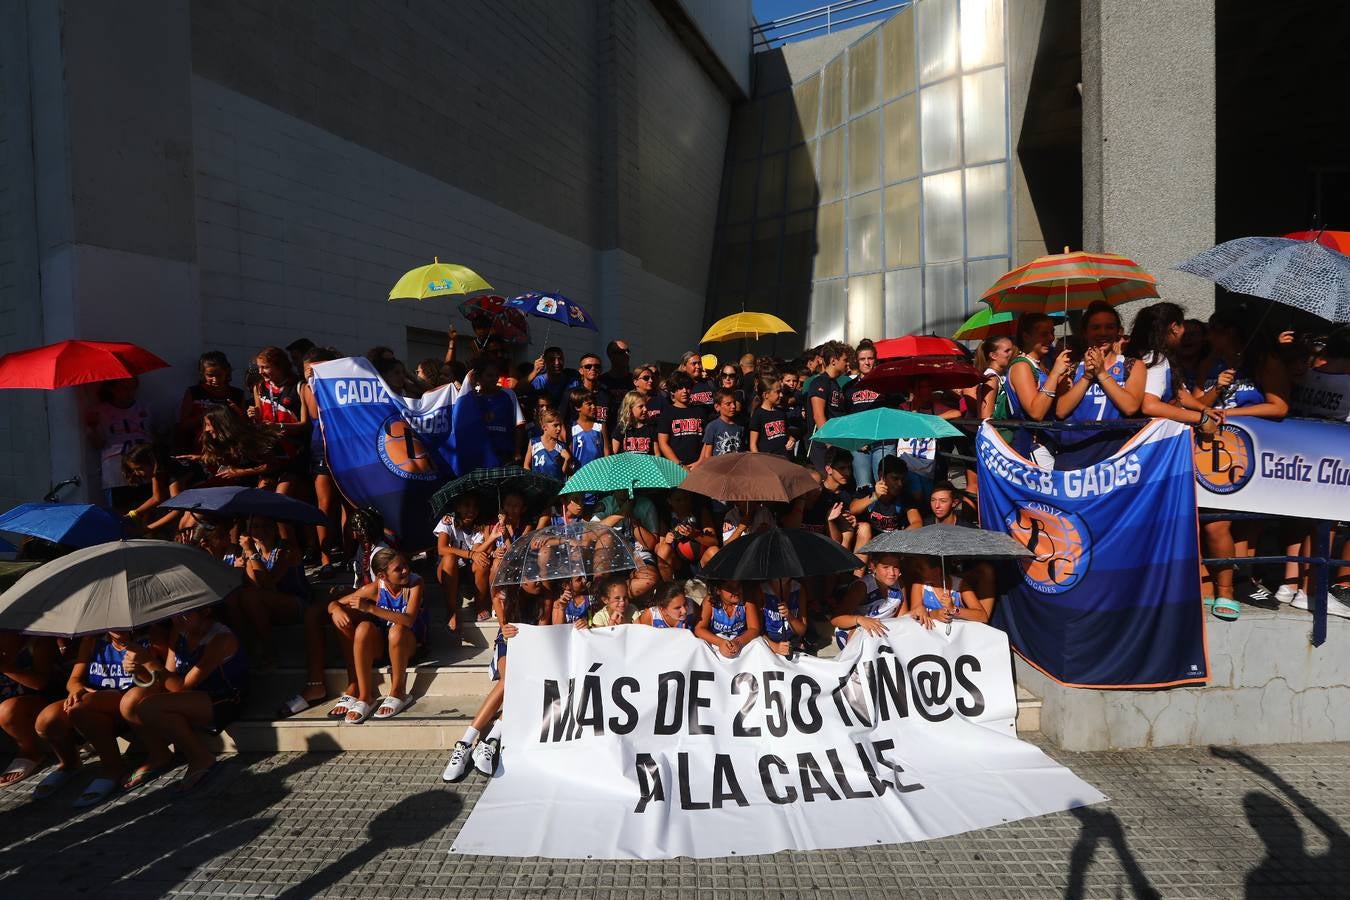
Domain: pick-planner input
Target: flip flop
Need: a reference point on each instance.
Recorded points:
(390, 707)
(362, 711)
(341, 707)
(99, 789)
(145, 775)
(19, 766)
(1226, 609)
(484, 615)
(298, 704)
(53, 782)
(193, 781)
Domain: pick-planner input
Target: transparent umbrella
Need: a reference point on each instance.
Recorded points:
(588, 549)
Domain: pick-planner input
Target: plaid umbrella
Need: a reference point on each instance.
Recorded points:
(500, 480)
(779, 553)
(625, 472)
(1303, 274)
(1065, 281)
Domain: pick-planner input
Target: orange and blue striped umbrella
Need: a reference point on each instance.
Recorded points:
(1065, 281)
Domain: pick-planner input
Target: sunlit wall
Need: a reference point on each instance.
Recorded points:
(871, 199)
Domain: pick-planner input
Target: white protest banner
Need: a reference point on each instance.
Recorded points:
(637, 743)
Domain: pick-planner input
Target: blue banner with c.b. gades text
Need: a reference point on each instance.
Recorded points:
(388, 451)
(1111, 598)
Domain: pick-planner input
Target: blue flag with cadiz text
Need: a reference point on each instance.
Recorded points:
(1112, 597)
(394, 452)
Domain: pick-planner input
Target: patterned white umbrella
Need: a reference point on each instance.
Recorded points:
(1303, 274)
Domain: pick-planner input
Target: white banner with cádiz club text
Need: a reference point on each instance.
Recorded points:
(637, 743)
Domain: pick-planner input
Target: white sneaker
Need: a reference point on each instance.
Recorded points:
(1287, 594)
(458, 766)
(1337, 608)
(485, 756)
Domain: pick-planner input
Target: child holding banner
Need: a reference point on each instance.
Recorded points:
(783, 604)
(869, 601)
(670, 609)
(938, 596)
(728, 621)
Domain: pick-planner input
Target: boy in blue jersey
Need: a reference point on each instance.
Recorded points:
(588, 436)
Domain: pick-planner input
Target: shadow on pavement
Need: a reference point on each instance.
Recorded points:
(1288, 868)
(1099, 826)
(410, 821)
(146, 844)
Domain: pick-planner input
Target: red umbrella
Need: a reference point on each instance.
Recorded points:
(918, 345)
(503, 321)
(1336, 240)
(897, 376)
(75, 362)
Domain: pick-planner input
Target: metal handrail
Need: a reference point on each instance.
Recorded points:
(766, 35)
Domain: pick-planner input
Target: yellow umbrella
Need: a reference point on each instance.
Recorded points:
(437, 280)
(746, 326)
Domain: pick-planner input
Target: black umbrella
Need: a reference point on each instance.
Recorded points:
(238, 502)
(496, 481)
(947, 540)
(780, 553)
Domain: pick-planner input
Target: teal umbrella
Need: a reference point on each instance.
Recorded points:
(625, 472)
(882, 424)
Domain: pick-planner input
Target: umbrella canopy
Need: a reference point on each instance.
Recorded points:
(1302, 274)
(502, 321)
(1336, 240)
(72, 524)
(118, 586)
(438, 280)
(749, 326)
(534, 487)
(948, 540)
(918, 345)
(734, 477)
(75, 362)
(237, 502)
(554, 307)
(986, 324)
(779, 553)
(1066, 281)
(588, 549)
(881, 424)
(897, 376)
(625, 472)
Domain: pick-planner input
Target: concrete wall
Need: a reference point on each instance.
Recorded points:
(1148, 137)
(1269, 686)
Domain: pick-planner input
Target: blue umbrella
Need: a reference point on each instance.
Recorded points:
(72, 524)
(554, 308)
(238, 502)
(1302, 274)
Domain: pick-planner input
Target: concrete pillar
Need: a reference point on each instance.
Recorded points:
(1148, 137)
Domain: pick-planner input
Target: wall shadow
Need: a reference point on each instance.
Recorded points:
(1103, 827)
(147, 843)
(1288, 869)
(1050, 143)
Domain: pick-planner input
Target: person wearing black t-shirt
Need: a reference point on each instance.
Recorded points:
(589, 371)
(700, 387)
(679, 436)
(826, 511)
(729, 379)
(825, 399)
(645, 380)
(768, 423)
(860, 398)
(633, 433)
(794, 408)
(883, 508)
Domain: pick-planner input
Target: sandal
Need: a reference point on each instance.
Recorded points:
(361, 711)
(1226, 609)
(484, 615)
(390, 707)
(99, 789)
(299, 703)
(53, 782)
(192, 781)
(144, 775)
(341, 707)
(21, 767)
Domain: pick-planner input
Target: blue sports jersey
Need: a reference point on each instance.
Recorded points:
(1242, 392)
(1096, 406)
(577, 610)
(587, 444)
(776, 628)
(545, 461)
(658, 622)
(229, 681)
(398, 603)
(1015, 410)
(729, 625)
(930, 597)
(1079, 449)
(105, 672)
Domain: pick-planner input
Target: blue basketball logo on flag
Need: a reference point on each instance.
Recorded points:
(1060, 541)
(403, 452)
(1223, 463)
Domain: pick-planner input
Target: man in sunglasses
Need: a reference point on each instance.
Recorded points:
(589, 369)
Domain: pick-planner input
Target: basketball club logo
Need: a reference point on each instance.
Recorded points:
(1060, 542)
(403, 452)
(1223, 463)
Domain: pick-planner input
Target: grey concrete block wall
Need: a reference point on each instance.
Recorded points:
(1269, 685)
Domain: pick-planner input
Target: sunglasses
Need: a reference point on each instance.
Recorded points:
(644, 378)
(589, 366)
(728, 374)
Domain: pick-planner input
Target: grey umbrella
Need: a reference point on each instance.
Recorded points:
(118, 586)
(1303, 274)
(947, 540)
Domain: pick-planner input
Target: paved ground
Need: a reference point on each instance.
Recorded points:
(1263, 822)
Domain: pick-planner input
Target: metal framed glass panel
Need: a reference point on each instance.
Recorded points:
(937, 39)
(772, 171)
(741, 201)
(940, 124)
(943, 229)
(900, 139)
(981, 33)
(747, 127)
(764, 254)
(829, 241)
(987, 210)
(778, 116)
(902, 224)
(897, 54)
(806, 99)
(828, 312)
(799, 247)
(944, 297)
(864, 153)
(981, 275)
(801, 177)
(862, 74)
(984, 113)
(832, 165)
(864, 233)
(904, 302)
(865, 310)
(832, 94)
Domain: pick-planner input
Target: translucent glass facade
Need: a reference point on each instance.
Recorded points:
(872, 198)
